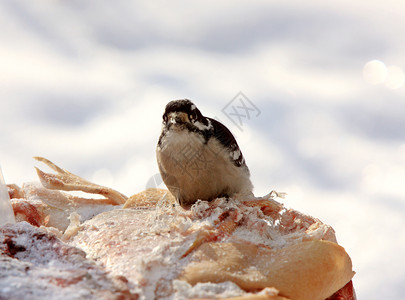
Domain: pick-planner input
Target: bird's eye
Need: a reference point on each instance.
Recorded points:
(164, 118)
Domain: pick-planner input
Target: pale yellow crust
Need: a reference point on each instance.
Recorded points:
(308, 270)
(149, 198)
(66, 181)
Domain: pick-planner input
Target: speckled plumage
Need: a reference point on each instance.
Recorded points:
(198, 157)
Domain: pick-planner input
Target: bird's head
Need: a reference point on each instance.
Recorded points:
(182, 114)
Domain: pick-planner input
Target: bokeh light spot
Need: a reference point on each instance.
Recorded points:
(375, 72)
(395, 78)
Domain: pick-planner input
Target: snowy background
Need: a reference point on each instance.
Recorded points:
(84, 84)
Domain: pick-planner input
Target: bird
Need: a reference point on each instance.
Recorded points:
(198, 157)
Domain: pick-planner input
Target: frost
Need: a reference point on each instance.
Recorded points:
(184, 290)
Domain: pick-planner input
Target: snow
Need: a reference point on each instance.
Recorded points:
(37, 265)
(227, 289)
(90, 91)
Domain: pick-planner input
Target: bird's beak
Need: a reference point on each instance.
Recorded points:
(177, 118)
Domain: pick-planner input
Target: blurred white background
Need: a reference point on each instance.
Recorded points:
(84, 84)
